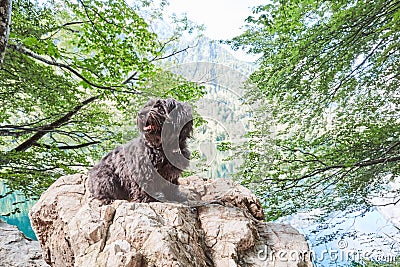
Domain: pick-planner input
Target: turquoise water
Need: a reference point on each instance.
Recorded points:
(8, 206)
(344, 238)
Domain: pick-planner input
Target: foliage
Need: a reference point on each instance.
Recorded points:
(329, 82)
(74, 75)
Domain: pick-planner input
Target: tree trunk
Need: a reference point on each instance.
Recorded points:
(5, 19)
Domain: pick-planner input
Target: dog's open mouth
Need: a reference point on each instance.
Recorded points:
(149, 127)
(153, 123)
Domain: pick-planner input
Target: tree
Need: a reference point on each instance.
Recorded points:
(5, 15)
(329, 80)
(74, 75)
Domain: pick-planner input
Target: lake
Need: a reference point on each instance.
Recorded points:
(8, 210)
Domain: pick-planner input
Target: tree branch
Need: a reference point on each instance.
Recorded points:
(342, 81)
(22, 129)
(377, 161)
(388, 204)
(68, 146)
(9, 132)
(57, 29)
(43, 131)
(132, 77)
(391, 148)
(306, 153)
(341, 166)
(24, 51)
(358, 164)
(173, 53)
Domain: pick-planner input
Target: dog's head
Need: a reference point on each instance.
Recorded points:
(165, 122)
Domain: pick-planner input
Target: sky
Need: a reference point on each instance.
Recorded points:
(223, 19)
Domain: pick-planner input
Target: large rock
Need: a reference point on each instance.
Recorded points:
(16, 250)
(220, 226)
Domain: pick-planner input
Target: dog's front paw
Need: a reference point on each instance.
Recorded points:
(175, 196)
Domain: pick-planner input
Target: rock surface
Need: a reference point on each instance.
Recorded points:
(16, 250)
(219, 227)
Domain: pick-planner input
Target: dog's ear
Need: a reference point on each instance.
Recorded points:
(179, 124)
(187, 112)
(187, 121)
(171, 104)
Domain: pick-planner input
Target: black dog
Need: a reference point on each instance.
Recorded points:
(147, 168)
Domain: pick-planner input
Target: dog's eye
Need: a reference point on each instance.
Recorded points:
(161, 110)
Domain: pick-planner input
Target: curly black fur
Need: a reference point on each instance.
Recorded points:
(147, 168)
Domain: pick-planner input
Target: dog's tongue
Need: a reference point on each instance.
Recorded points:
(148, 128)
